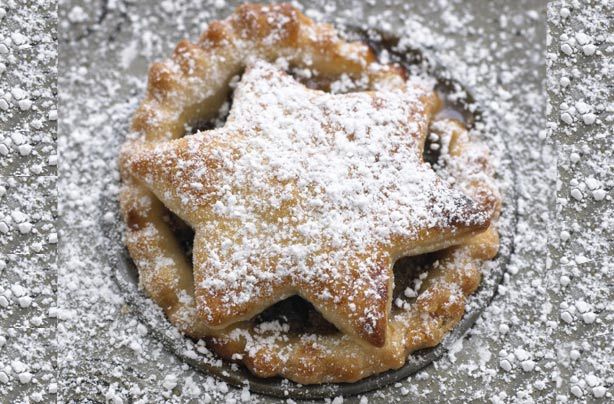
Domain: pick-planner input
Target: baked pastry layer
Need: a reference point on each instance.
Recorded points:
(271, 220)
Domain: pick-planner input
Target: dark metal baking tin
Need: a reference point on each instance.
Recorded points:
(127, 277)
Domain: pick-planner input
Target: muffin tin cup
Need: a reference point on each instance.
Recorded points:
(188, 351)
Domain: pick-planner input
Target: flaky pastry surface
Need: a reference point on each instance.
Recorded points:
(256, 196)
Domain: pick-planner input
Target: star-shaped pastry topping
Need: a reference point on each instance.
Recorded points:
(310, 193)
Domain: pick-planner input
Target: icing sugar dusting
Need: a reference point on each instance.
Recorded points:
(535, 343)
(318, 194)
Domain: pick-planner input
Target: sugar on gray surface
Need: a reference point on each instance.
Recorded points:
(546, 333)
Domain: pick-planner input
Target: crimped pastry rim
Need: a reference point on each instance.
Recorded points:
(126, 277)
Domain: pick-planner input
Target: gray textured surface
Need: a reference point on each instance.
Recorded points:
(111, 68)
(28, 275)
(28, 91)
(581, 272)
(520, 351)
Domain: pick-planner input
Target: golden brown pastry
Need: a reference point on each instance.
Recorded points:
(301, 192)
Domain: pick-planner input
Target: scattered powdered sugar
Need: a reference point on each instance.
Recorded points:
(28, 90)
(27, 291)
(314, 178)
(28, 71)
(580, 270)
(547, 335)
(27, 214)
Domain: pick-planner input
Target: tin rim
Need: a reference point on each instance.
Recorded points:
(126, 275)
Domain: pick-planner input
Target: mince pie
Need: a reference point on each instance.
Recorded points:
(298, 206)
